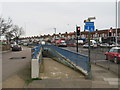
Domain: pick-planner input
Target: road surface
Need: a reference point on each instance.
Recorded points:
(14, 67)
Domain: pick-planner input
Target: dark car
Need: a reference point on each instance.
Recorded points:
(113, 54)
(16, 47)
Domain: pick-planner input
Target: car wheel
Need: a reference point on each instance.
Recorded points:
(115, 60)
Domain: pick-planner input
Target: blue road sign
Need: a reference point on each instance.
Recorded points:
(90, 28)
(89, 23)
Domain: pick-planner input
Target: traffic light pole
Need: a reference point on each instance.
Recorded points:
(77, 34)
(77, 45)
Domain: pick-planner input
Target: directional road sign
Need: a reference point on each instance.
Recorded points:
(89, 26)
(89, 23)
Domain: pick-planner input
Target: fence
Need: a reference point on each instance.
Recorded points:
(80, 61)
(36, 60)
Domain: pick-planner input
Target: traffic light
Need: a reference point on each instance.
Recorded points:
(110, 32)
(78, 30)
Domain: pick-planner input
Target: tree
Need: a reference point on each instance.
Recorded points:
(5, 25)
(17, 32)
(8, 36)
(10, 31)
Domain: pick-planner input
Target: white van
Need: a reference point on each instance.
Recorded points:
(93, 42)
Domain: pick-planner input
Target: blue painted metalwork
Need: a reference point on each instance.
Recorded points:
(36, 51)
(80, 60)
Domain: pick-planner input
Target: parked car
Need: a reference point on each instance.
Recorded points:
(16, 47)
(104, 45)
(71, 44)
(25, 44)
(93, 45)
(85, 45)
(63, 44)
(12, 44)
(113, 54)
(80, 42)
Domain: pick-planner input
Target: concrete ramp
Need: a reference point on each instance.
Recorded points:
(71, 59)
(55, 70)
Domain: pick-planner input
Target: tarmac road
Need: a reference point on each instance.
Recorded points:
(17, 67)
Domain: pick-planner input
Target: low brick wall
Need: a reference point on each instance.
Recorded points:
(5, 47)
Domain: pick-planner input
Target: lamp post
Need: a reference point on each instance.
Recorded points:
(55, 35)
(116, 25)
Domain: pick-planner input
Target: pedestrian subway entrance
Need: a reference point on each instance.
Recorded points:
(76, 61)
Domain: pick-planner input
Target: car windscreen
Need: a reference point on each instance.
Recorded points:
(118, 50)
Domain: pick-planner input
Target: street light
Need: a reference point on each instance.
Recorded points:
(116, 24)
(55, 35)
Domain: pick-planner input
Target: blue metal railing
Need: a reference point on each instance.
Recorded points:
(80, 60)
(36, 51)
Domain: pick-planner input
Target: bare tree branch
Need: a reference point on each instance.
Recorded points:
(5, 25)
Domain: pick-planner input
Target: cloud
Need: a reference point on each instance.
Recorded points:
(42, 17)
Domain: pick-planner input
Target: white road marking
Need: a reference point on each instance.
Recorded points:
(112, 81)
(99, 60)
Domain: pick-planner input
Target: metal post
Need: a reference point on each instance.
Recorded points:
(116, 25)
(77, 41)
(89, 35)
(55, 36)
(77, 44)
(89, 46)
(90, 74)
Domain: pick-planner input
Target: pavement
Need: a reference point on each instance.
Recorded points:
(101, 78)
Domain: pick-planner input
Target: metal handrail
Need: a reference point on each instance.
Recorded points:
(79, 60)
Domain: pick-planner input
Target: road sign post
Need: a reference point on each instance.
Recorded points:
(90, 27)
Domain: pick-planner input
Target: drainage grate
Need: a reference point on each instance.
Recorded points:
(17, 57)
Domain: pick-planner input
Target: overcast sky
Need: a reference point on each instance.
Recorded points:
(41, 17)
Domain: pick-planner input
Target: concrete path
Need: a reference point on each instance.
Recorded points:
(57, 75)
(103, 78)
